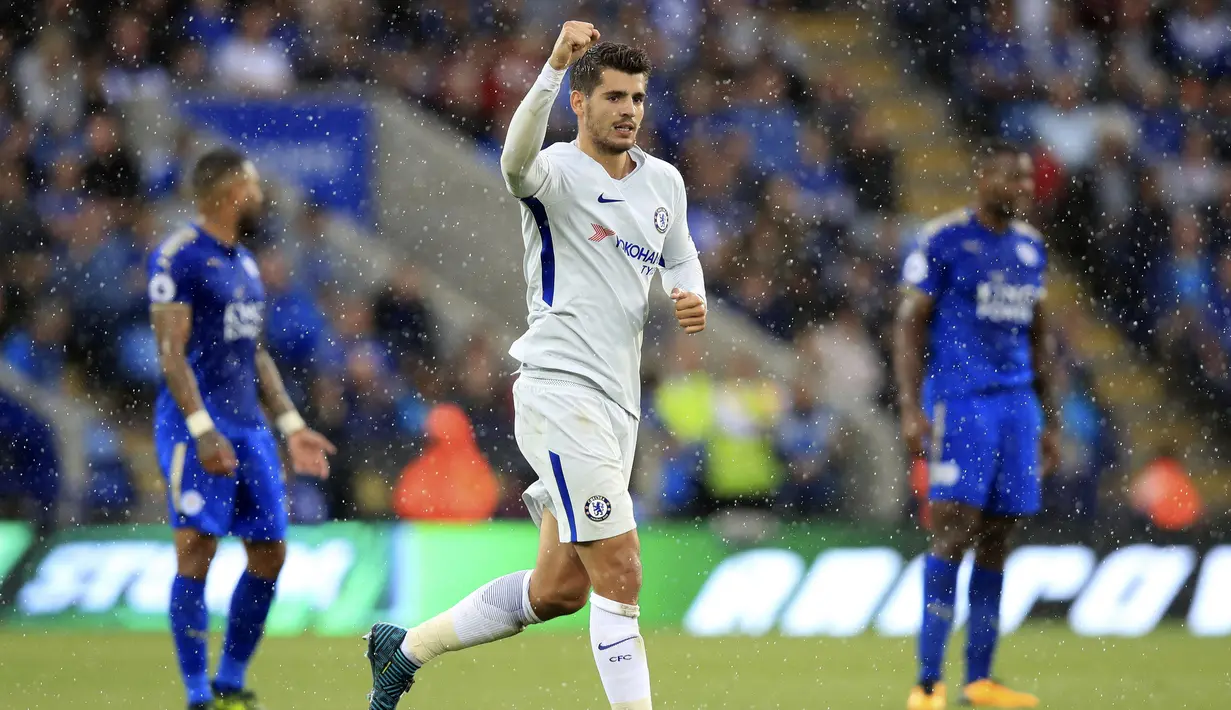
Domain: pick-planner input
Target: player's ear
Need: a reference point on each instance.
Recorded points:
(577, 101)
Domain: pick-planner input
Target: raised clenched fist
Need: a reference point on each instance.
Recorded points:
(575, 38)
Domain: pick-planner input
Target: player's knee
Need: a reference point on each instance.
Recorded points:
(193, 567)
(991, 553)
(193, 555)
(265, 559)
(620, 579)
(562, 599)
(951, 544)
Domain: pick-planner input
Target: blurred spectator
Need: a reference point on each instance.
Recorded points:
(328, 410)
(1098, 202)
(29, 472)
(252, 61)
(37, 351)
(807, 443)
(190, 67)
(1160, 121)
(870, 163)
(1087, 451)
(403, 318)
(1219, 120)
(1164, 493)
(1066, 50)
(96, 269)
(25, 238)
(372, 391)
(763, 109)
(296, 328)
(822, 179)
(999, 70)
(682, 405)
(1192, 180)
(109, 492)
(742, 33)
(61, 197)
(451, 479)
(336, 46)
(206, 23)
(1133, 45)
(1137, 256)
(742, 469)
(485, 394)
(49, 76)
(1200, 36)
(312, 254)
(1185, 335)
(130, 73)
(1067, 125)
(17, 150)
(851, 368)
(110, 170)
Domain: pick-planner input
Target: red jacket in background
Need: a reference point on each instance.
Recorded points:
(452, 479)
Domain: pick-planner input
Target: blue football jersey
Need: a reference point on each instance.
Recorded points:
(985, 286)
(223, 286)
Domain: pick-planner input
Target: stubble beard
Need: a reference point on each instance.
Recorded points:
(604, 145)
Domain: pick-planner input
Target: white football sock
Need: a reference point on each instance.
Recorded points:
(497, 610)
(619, 653)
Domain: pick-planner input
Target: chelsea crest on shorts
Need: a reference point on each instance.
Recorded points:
(598, 508)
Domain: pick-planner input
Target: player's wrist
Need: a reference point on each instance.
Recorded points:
(199, 423)
(551, 76)
(290, 423)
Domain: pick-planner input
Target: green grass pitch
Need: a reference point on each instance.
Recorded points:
(1168, 669)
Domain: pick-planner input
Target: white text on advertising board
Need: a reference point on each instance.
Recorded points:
(96, 577)
(847, 591)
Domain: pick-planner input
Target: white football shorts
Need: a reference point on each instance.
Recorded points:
(581, 445)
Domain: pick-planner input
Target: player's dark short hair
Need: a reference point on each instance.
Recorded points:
(215, 167)
(588, 71)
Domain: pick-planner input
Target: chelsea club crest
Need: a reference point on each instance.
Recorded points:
(661, 220)
(598, 508)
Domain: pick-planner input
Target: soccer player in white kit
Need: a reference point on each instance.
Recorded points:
(599, 218)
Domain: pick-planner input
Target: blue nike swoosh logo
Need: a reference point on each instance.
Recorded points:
(601, 647)
(604, 200)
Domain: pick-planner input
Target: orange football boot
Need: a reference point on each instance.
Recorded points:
(987, 693)
(920, 700)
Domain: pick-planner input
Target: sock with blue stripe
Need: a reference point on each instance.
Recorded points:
(246, 624)
(190, 630)
(497, 610)
(985, 588)
(939, 596)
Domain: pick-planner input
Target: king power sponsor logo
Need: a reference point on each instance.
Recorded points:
(847, 591)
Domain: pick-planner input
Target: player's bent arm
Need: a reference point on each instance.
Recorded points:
(685, 275)
(524, 172)
(1043, 353)
(309, 450)
(172, 323)
(910, 325)
(274, 396)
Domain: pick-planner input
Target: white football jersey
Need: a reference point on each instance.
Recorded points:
(593, 244)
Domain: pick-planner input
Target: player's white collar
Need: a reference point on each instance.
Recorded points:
(636, 153)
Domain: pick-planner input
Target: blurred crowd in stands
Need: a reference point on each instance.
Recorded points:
(793, 202)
